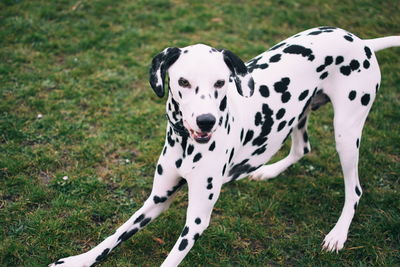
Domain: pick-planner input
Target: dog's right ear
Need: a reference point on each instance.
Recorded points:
(243, 79)
(159, 67)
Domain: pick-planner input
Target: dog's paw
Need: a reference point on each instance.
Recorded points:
(264, 173)
(334, 241)
(73, 261)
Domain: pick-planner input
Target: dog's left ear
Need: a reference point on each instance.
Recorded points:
(159, 67)
(243, 79)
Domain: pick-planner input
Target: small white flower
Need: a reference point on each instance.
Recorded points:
(39, 116)
(311, 168)
(127, 161)
(326, 127)
(65, 178)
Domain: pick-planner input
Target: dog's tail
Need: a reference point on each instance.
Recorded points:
(383, 43)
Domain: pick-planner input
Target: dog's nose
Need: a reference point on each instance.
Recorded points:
(206, 122)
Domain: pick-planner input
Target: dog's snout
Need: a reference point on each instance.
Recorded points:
(206, 122)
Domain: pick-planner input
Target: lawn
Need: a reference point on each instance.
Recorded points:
(81, 130)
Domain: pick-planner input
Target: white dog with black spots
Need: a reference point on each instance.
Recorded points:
(227, 118)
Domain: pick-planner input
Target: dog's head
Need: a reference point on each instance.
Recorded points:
(199, 77)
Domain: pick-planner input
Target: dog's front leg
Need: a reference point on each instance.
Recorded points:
(166, 183)
(203, 193)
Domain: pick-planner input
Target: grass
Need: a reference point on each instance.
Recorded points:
(75, 102)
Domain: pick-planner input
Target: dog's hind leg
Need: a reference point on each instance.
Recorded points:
(300, 147)
(166, 183)
(204, 191)
(351, 108)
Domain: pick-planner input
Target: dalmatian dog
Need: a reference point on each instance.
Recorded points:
(227, 118)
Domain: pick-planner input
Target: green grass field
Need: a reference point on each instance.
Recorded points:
(75, 102)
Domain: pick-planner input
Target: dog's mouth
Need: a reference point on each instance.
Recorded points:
(200, 137)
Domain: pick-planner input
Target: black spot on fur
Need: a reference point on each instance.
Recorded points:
(348, 38)
(259, 150)
(185, 231)
(354, 65)
(183, 244)
(306, 150)
(366, 64)
(241, 168)
(258, 119)
(171, 142)
(300, 50)
(291, 121)
(210, 197)
(328, 60)
(327, 28)
(195, 237)
(352, 95)
(231, 155)
(103, 255)
(126, 235)
(164, 150)
(368, 52)
(355, 206)
(282, 85)
(303, 95)
(323, 75)
(339, 59)
(145, 221)
(198, 221)
(159, 169)
(197, 157)
(345, 70)
(222, 105)
(212, 146)
(139, 219)
(281, 125)
(275, 58)
(59, 262)
(358, 143)
(315, 33)
(224, 169)
(320, 68)
(178, 163)
(158, 199)
(266, 125)
(280, 113)
(302, 123)
(190, 149)
(249, 136)
(264, 91)
(285, 97)
(365, 99)
(358, 192)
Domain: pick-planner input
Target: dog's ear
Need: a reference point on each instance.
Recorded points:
(159, 67)
(243, 79)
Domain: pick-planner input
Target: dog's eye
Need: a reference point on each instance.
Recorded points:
(184, 83)
(219, 83)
